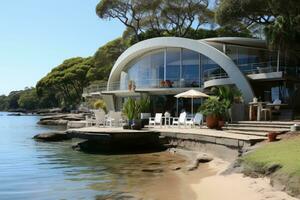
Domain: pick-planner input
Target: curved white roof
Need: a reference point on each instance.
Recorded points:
(251, 42)
(199, 46)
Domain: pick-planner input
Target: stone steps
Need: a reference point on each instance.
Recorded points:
(257, 128)
(259, 125)
(250, 133)
(287, 123)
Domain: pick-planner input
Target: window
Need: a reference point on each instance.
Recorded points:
(190, 69)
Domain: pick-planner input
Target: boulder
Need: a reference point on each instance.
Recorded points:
(52, 136)
(153, 170)
(204, 158)
(201, 158)
(59, 122)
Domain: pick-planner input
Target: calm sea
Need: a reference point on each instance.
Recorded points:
(37, 170)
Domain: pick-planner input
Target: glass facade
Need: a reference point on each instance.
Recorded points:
(170, 67)
(252, 60)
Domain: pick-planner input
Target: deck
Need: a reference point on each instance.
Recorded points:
(202, 135)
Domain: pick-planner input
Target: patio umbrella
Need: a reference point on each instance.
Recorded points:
(191, 94)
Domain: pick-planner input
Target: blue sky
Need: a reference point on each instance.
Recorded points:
(36, 36)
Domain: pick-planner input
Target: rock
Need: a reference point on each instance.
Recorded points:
(52, 136)
(59, 122)
(153, 170)
(201, 158)
(176, 168)
(193, 166)
(60, 119)
(204, 158)
(272, 168)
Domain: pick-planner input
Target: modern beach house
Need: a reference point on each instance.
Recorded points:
(163, 67)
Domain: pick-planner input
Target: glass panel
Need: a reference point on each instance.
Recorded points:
(173, 67)
(190, 69)
(147, 71)
(211, 70)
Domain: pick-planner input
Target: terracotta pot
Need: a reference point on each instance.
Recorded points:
(212, 121)
(221, 123)
(272, 136)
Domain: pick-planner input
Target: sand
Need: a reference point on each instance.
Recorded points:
(207, 183)
(235, 186)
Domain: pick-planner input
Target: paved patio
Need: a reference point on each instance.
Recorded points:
(197, 134)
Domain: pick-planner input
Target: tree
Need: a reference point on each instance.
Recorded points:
(104, 59)
(281, 19)
(65, 83)
(172, 16)
(29, 100)
(126, 11)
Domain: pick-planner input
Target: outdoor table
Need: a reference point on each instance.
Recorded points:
(259, 105)
(167, 121)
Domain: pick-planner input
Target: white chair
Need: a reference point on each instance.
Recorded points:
(157, 120)
(89, 121)
(100, 117)
(180, 121)
(114, 119)
(197, 120)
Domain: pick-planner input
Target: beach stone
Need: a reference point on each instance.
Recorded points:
(176, 168)
(52, 136)
(153, 170)
(204, 158)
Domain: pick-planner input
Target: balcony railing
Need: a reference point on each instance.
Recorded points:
(210, 74)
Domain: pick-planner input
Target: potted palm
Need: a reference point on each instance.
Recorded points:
(233, 101)
(144, 108)
(131, 110)
(214, 109)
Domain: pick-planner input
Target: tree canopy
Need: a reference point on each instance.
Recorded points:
(174, 16)
(281, 19)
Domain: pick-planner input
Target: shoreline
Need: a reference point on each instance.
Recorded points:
(216, 183)
(209, 182)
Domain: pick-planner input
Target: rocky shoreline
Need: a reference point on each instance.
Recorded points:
(60, 119)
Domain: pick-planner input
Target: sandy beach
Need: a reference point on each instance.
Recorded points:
(235, 186)
(208, 183)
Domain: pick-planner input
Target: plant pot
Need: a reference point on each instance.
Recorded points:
(221, 123)
(126, 127)
(272, 136)
(212, 121)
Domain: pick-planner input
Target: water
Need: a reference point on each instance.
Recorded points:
(38, 170)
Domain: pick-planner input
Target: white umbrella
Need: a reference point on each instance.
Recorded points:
(191, 94)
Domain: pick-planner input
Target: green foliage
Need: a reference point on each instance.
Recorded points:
(280, 18)
(144, 105)
(104, 59)
(29, 100)
(157, 15)
(227, 94)
(284, 152)
(131, 109)
(65, 83)
(100, 104)
(213, 106)
(3, 103)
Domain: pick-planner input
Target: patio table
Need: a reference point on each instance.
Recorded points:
(167, 121)
(259, 106)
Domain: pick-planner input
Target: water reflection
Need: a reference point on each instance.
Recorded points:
(37, 170)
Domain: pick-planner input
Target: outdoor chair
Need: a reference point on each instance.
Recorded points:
(180, 121)
(197, 120)
(266, 110)
(157, 120)
(89, 121)
(100, 117)
(114, 119)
